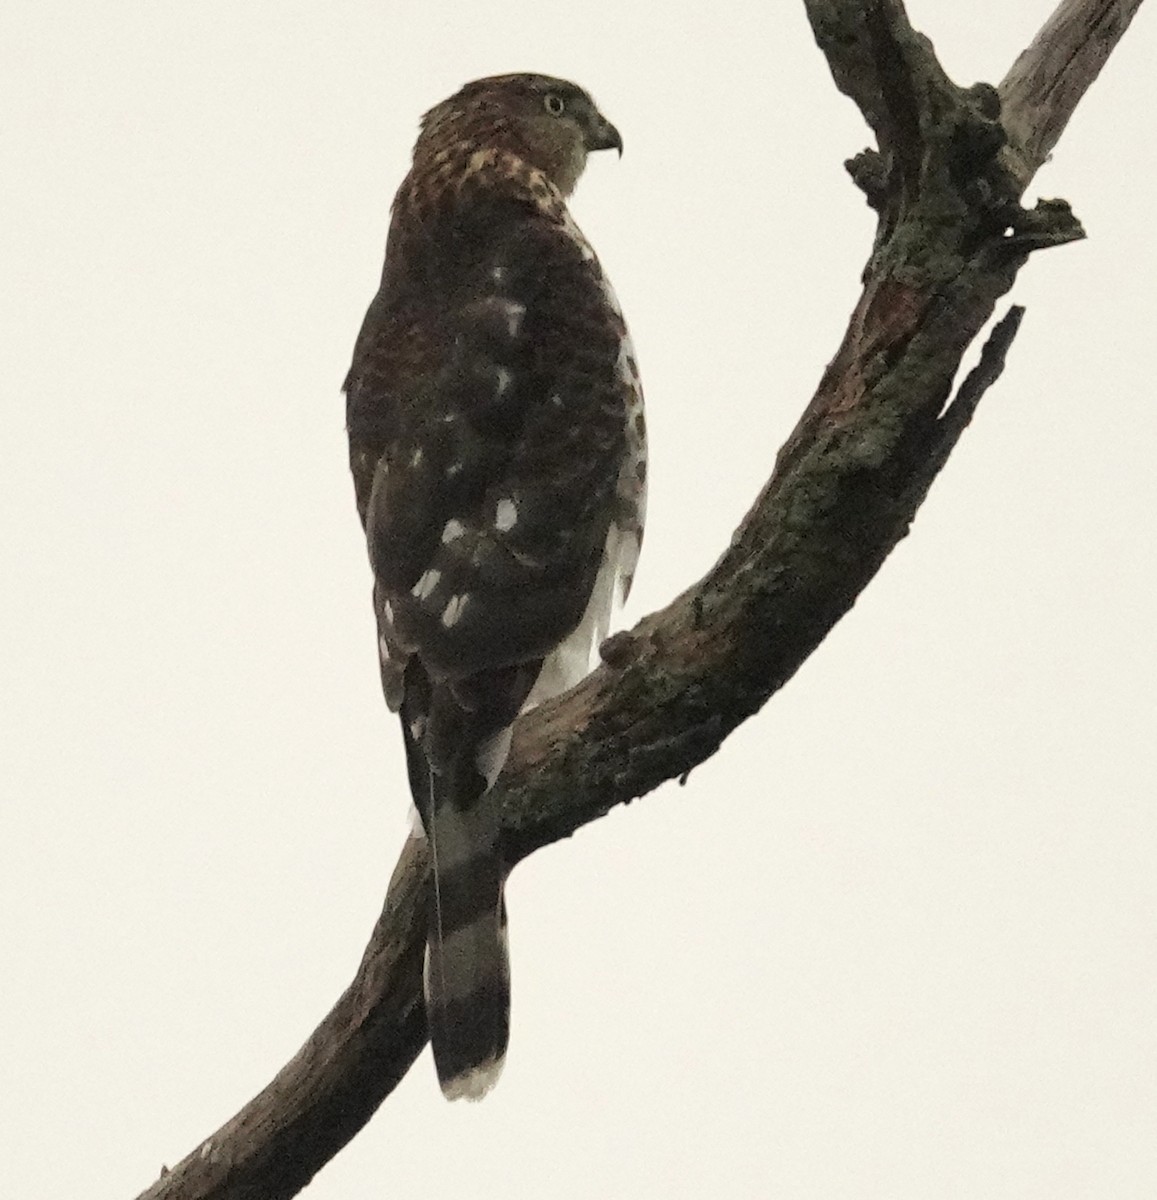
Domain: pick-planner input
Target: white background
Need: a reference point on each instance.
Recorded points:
(898, 939)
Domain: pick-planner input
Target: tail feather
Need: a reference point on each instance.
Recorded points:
(457, 736)
(467, 977)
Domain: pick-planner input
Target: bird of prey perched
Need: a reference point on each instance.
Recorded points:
(497, 446)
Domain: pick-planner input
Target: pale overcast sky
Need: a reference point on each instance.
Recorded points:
(897, 940)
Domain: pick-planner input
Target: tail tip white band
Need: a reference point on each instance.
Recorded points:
(475, 1083)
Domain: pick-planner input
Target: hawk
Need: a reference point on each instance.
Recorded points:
(498, 453)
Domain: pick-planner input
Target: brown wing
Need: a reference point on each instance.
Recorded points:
(490, 382)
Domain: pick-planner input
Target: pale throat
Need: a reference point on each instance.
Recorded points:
(566, 172)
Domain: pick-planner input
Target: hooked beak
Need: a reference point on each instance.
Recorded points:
(605, 136)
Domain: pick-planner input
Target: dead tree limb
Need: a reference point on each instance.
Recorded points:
(1042, 90)
(945, 180)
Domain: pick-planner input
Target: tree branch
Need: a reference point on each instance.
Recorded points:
(1046, 83)
(845, 488)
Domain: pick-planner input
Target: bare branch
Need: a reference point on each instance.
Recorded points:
(959, 413)
(846, 486)
(1042, 90)
(330, 1088)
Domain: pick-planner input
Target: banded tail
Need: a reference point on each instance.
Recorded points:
(467, 973)
(452, 767)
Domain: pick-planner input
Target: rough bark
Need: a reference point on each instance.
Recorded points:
(945, 180)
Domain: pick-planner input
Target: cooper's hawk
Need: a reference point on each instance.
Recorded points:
(497, 447)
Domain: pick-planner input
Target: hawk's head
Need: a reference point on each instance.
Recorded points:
(550, 123)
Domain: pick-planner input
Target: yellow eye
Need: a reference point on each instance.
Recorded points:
(554, 104)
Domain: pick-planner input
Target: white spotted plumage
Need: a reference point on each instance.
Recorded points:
(497, 446)
(505, 515)
(452, 531)
(427, 582)
(454, 609)
(514, 313)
